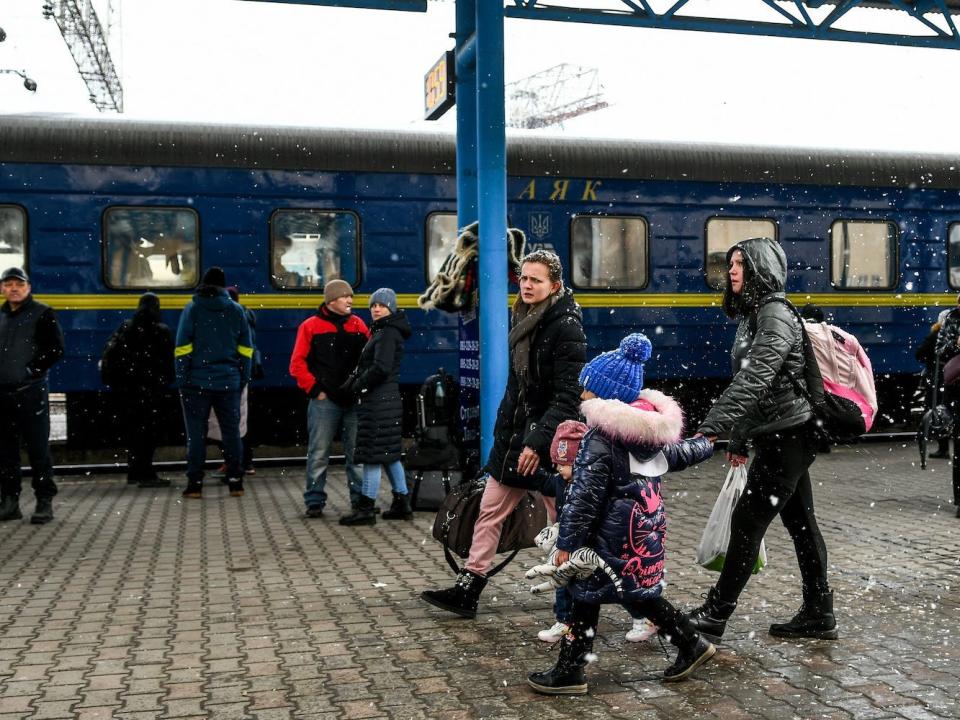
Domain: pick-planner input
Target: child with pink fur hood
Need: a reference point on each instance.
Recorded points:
(614, 507)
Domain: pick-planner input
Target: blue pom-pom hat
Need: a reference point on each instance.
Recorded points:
(618, 374)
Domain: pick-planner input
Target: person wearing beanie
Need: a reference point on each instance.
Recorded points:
(31, 342)
(375, 385)
(325, 354)
(547, 352)
(614, 508)
(762, 408)
(137, 365)
(213, 356)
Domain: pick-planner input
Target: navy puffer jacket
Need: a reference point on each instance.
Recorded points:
(613, 504)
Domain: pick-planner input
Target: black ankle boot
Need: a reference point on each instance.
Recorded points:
(567, 677)
(693, 648)
(462, 598)
(710, 619)
(399, 508)
(814, 620)
(364, 514)
(43, 512)
(10, 508)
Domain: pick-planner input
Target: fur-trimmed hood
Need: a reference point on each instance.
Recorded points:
(644, 426)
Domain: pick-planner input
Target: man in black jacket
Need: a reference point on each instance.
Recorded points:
(30, 343)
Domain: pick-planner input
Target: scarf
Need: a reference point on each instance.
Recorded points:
(526, 318)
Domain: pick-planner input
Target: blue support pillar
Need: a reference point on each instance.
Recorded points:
(492, 213)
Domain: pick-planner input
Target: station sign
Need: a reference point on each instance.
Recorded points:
(438, 87)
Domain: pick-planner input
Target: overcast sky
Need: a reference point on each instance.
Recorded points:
(257, 62)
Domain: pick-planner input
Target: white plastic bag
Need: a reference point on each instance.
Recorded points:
(712, 550)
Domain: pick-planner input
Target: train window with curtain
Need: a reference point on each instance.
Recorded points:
(609, 253)
(13, 236)
(308, 248)
(151, 248)
(953, 255)
(724, 232)
(863, 254)
(441, 237)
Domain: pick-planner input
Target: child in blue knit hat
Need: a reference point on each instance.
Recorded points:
(613, 507)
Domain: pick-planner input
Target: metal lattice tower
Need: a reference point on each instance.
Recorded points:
(551, 96)
(87, 42)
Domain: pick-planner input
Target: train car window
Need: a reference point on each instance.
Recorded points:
(609, 253)
(310, 247)
(721, 234)
(151, 247)
(864, 254)
(441, 236)
(953, 255)
(13, 236)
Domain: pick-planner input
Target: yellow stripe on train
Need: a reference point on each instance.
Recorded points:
(303, 301)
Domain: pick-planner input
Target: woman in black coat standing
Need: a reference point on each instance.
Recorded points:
(137, 364)
(547, 352)
(761, 407)
(380, 411)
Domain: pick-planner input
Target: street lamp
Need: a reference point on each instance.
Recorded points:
(28, 83)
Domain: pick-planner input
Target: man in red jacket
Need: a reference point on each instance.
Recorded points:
(326, 352)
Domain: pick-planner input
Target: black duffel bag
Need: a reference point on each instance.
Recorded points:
(457, 517)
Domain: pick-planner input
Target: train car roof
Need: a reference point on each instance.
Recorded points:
(110, 141)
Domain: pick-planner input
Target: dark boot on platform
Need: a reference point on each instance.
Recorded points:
(814, 620)
(10, 508)
(710, 619)
(568, 676)
(363, 515)
(693, 649)
(399, 508)
(43, 512)
(462, 598)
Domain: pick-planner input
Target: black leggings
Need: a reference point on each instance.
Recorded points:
(777, 484)
(585, 616)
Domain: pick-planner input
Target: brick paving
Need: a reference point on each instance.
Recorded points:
(137, 604)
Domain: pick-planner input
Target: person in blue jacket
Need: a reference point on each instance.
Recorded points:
(213, 356)
(613, 507)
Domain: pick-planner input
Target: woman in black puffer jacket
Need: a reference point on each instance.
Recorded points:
(380, 411)
(547, 352)
(762, 407)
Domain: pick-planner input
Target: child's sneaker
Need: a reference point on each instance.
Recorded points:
(553, 634)
(642, 630)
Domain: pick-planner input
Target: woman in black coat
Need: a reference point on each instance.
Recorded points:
(380, 411)
(137, 364)
(761, 407)
(547, 352)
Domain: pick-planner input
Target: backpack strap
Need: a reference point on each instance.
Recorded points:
(811, 370)
(452, 562)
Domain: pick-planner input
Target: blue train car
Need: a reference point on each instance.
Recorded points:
(101, 210)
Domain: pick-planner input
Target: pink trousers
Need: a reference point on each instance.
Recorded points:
(497, 503)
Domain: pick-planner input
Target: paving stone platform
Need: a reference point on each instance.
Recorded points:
(137, 604)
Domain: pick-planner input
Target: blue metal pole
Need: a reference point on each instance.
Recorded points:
(492, 213)
(466, 94)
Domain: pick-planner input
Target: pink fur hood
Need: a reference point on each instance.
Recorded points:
(652, 419)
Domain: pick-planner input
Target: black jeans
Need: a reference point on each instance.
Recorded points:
(142, 409)
(25, 414)
(778, 483)
(660, 611)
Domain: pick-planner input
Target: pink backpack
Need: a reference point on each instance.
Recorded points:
(844, 367)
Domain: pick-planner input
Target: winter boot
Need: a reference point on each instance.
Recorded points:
(694, 649)
(43, 512)
(710, 619)
(194, 489)
(567, 677)
(462, 598)
(814, 620)
(235, 485)
(10, 508)
(399, 508)
(364, 514)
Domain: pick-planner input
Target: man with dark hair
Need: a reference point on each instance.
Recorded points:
(213, 362)
(30, 343)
